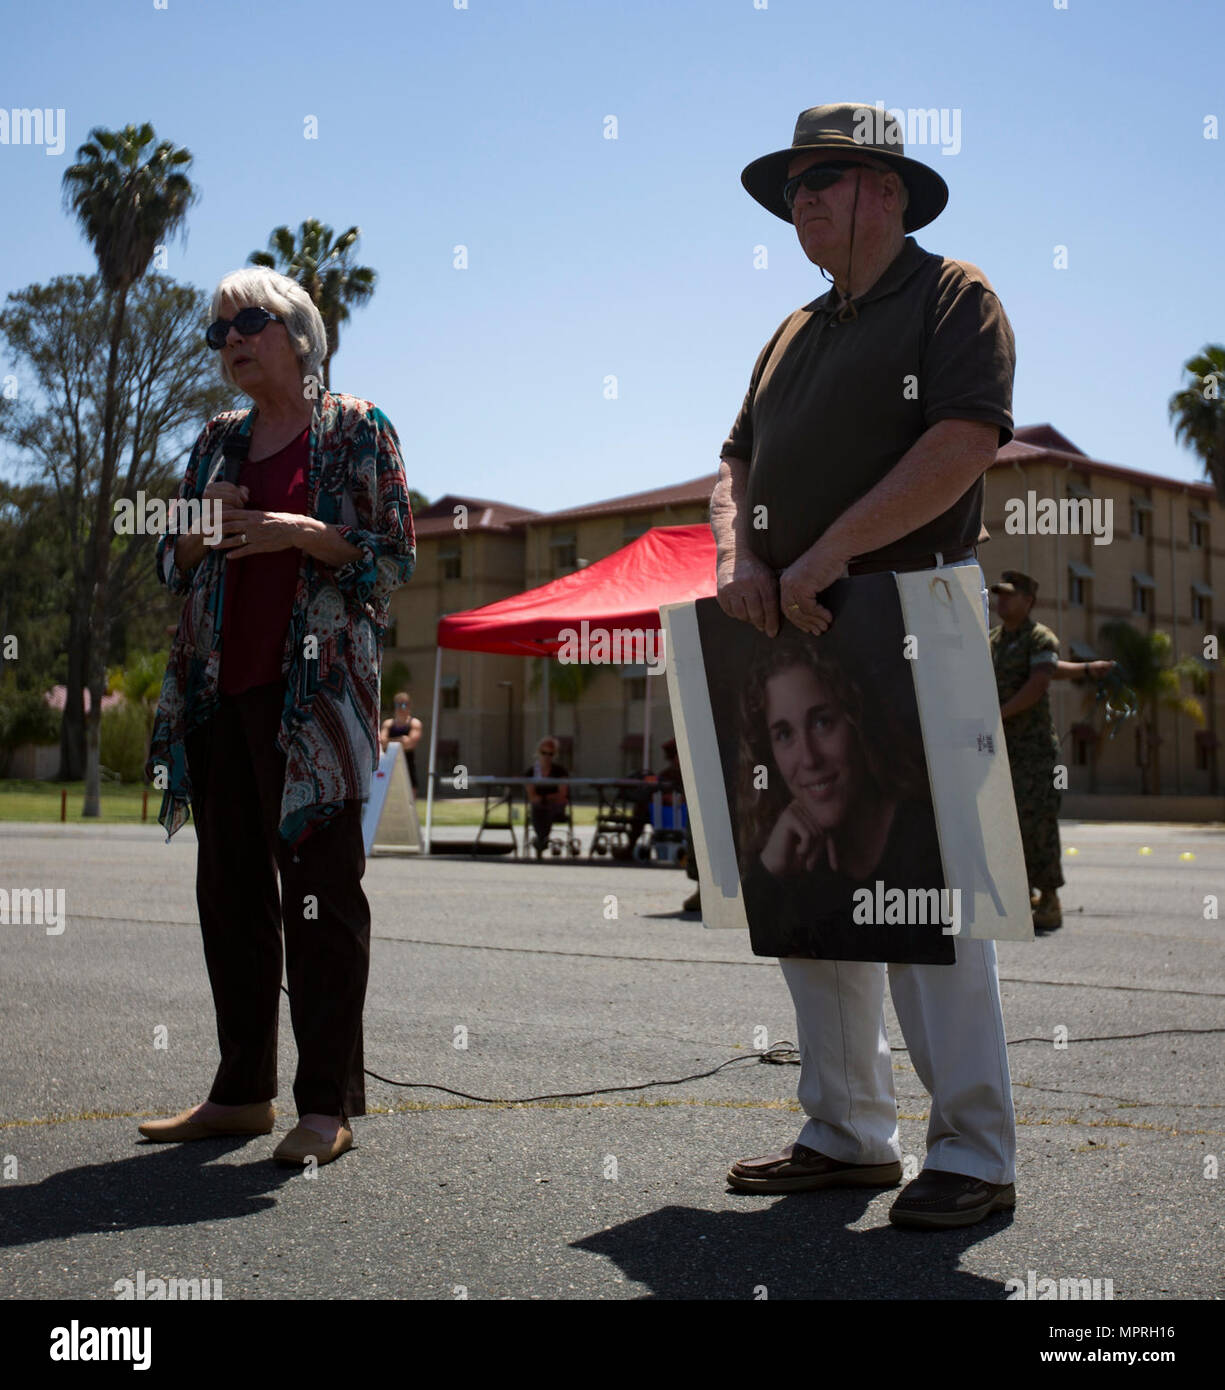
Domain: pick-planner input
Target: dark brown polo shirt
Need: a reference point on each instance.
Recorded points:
(832, 407)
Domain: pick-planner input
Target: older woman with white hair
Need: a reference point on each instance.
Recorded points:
(268, 721)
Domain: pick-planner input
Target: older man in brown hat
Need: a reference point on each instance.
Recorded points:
(871, 416)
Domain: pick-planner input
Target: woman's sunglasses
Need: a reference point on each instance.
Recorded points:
(247, 321)
(819, 176)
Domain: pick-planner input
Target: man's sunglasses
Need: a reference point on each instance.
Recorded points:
(819, 176)
(247, 321)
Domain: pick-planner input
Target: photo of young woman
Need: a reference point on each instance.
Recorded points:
(832, 797)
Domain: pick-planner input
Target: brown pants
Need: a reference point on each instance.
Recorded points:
(237, 775)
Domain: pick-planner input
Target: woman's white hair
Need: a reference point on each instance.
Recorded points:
(258, 285)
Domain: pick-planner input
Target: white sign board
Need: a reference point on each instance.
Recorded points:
(913, 641)
(390, 818)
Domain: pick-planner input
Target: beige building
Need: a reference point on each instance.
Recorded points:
(1165, 555)
(1166, 552)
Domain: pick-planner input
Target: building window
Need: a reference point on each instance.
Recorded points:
(1076, 591)
(637, 688)
(1201, 604)
(1082, 750)
(389, 634)
(564, 552)
(1140, 517)
(1199, 533)
(452, 563)
(1141, 598)
(633, 529)
(450, 692)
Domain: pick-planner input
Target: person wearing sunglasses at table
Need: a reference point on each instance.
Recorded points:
(267, 727)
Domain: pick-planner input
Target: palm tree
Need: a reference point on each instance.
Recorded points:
(129, 199)
(1198, 413)
(1156, 678)
(320, 262)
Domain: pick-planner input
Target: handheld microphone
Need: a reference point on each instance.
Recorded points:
(235, 450)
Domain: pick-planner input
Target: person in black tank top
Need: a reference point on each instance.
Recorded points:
(403, 725)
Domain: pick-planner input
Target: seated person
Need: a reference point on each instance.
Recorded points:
(547, 801)
(642, 799)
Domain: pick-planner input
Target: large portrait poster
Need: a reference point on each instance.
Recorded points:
(853, 799)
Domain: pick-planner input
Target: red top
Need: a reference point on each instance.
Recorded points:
(259, 589)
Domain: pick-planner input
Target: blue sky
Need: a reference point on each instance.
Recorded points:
(592, 257)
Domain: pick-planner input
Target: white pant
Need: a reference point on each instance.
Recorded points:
(952, 1024)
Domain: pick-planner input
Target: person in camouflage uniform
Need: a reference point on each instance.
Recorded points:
(1026, 657)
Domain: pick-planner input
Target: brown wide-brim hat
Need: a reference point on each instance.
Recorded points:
(849, 127)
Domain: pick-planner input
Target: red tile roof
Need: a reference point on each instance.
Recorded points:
(678, 494)
(439, 517)
(1020, 450)
(1030, 444)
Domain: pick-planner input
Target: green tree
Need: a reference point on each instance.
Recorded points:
(130, 196)
(166, 387)
(35, 593)
(1198, 413)
(321, 263)
(1149, 668)
(139, 681)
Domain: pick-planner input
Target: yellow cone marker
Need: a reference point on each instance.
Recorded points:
(1186, 856)
(1144, 849)
(1072, 850)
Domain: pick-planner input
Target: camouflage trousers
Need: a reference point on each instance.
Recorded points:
(1033, 785)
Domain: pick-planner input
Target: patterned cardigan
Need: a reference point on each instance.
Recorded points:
(333, 649)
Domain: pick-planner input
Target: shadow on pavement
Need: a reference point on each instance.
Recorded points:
(162, 1185)
(797, 1247)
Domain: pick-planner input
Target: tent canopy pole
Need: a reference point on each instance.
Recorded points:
(429, 796)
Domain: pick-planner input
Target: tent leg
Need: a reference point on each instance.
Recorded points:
(646, 724)
(545, 672)
(429, 795)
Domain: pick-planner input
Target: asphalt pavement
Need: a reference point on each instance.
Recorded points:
(613, 1196)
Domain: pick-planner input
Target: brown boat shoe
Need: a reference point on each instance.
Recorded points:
(937, 1200)
(800, 1169)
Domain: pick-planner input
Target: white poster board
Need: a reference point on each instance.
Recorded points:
(967, 757)
(698, 749)
(390, 818)
(963, 741)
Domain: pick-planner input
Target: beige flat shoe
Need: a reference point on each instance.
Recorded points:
(302, 1143)
(256, 1118)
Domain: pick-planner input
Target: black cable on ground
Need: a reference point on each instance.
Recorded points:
(783, 1053)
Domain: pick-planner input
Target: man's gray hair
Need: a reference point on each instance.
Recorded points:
(257, 285)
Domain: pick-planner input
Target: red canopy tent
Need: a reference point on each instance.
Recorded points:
(667, 564)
